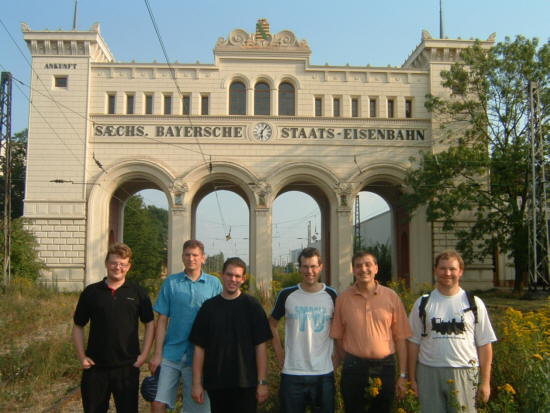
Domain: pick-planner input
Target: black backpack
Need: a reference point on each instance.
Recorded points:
(424, 301)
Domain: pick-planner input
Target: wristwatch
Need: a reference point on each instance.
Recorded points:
(264, 382)
(404, 375)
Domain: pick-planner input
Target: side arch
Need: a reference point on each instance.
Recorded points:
(137, 175)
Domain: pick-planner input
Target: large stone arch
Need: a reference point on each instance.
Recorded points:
(103, 190)
(411, 239)
(319, 182)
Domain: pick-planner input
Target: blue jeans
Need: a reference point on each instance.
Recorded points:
(355, 383)
(298, 392)
(170, 376)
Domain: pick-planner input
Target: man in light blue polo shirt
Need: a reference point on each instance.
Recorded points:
(181, 295)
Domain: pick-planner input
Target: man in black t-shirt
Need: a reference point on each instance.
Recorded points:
(230, 335)
(111, 362)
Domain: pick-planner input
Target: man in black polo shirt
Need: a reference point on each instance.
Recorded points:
(112, 359)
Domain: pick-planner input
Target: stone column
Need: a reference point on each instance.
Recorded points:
(341, 249)
(421, 253)
(179, 231)
(250, 101)
(260, 248)
(274, 102)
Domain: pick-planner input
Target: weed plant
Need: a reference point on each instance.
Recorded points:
(35, 347)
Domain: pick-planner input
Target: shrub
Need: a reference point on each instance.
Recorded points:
(24, 254)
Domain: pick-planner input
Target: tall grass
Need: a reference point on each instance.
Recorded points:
(35, 346)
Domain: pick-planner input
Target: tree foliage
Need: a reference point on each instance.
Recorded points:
(485, 166)
(146, 232)
(18, 169)
(24, 260)
(214, 263)
(382, 252)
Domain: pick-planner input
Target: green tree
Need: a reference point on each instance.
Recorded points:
(382, 252)
(485, 169)
(18, 169)
(24, 259)
(214, 263)
(145, 232)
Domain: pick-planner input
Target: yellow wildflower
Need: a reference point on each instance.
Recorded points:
(377, 382)
(450, 381)
(507, 388)
(400, 410)
(374, 391)
(538, 357)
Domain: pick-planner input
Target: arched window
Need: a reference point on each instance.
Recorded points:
(286, 99)
(237, 98)
(262, 99)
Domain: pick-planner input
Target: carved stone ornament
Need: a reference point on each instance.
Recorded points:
(426, 35)
(262, 190)
(241, 39)
(179, 189)
(344, 192)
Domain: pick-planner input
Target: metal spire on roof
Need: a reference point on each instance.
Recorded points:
(75, 14)
(441, 33)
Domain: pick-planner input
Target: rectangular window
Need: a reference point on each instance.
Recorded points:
(148, 104)
(354, 107)
(111, 103)
(336, 107)
(372, 108)
(61, 81)
(204, 104)
(318, 106)
(391, 108)
(408, 108)
(186, 105)
(130, 99)
(167, 104)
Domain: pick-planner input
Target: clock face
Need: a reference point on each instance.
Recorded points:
(262, 131)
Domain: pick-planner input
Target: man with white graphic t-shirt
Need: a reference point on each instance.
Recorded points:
(450, 351)
(307, 376)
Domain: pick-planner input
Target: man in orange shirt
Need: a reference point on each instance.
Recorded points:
(370, 327)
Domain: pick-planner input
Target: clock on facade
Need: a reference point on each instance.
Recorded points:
(262, 131)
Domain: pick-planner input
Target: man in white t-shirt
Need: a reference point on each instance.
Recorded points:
(307, 376)
(450, 352)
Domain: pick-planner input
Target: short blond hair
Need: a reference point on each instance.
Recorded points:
(120, 249)
(449, 255)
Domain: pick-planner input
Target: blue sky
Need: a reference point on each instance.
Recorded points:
(358, 33)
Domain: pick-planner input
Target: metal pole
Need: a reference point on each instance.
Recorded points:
(5, 138)
(533, 276)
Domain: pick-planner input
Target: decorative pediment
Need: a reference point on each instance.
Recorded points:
(239, 39)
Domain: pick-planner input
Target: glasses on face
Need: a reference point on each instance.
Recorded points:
(119, 265)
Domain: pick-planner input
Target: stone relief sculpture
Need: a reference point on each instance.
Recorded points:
(179, 190)
(344, 192)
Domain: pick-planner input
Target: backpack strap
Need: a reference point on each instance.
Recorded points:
(422, 312)
(472, 304)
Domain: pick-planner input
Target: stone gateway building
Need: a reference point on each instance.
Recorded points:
(259, 121)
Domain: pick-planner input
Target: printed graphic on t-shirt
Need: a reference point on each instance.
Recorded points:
(448, 327)
(316, 315)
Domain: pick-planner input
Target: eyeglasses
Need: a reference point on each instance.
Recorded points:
(118, 264)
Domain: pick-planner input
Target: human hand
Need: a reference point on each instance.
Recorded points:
(262, 392)
(483, 392)
(401, 387)
(197, 393)
(140, 360)
(87, 362)
(154, 363)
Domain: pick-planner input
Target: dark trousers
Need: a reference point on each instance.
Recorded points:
(355, 384)
(298, 392)
(98, 383)
(236, 400)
